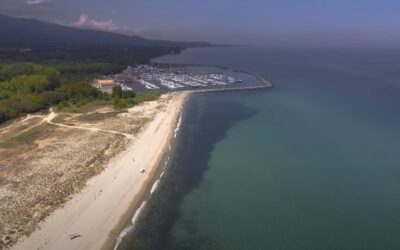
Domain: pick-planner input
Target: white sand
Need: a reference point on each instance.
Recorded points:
(98, 210)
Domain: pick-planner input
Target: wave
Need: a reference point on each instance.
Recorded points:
(137, 213)
(135, 217)
(166, 163)
(155, 186)
(178, 126)
(129, 228)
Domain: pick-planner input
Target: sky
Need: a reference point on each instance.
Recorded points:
(257, 22)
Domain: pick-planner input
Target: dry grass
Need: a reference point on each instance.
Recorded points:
(42, 165)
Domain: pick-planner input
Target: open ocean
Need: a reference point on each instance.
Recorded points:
(312, 164)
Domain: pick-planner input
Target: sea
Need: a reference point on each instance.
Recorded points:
(311, 164)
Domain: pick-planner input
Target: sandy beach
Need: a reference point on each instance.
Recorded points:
(93, 218)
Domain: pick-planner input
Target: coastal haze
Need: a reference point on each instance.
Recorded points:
(219, 124)
(307, 23)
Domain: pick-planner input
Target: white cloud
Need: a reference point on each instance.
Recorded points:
(107, 25)
(82, 21)
(36, 2)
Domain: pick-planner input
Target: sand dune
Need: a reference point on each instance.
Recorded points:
(92, 218)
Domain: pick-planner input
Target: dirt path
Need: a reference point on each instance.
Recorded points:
(28, 117)
(49, 119)
(53, 115)
(93, 216)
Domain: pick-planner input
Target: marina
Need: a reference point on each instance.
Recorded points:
(168, 78)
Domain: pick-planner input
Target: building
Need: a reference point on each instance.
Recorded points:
(124, 77)
(105, 85)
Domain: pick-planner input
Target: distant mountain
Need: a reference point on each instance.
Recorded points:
(30, 33)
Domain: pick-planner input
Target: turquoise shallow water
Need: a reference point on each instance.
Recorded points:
(312, 164)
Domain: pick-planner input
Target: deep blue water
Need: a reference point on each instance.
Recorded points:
(312, 164)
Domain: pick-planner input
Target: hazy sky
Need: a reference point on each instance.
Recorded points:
(263, 22)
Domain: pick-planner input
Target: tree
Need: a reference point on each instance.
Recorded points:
(117, 91)
(128, 94)
(119, 103)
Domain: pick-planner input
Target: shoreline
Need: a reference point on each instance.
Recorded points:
(129, 219)
(98, 213)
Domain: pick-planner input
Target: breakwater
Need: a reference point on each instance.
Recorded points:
(265, 84)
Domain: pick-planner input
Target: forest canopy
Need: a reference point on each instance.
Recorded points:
(29, 87)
